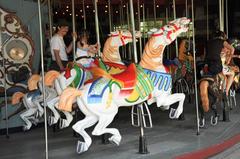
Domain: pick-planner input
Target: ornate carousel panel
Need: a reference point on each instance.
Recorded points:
(16, 55)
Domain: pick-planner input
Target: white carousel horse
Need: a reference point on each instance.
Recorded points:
(100, 100)
(32, 101)
(76, 77)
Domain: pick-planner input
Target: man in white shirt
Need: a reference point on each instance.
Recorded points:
(59, 50)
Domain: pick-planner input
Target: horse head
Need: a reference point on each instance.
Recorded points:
(122, 37)
(168, 33)
(111, 47)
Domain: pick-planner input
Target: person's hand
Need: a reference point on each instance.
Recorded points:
(74, 35)
(62, 70)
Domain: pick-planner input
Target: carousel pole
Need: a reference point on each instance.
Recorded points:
(207, 22)
(221, 15)
(175, 16)
(154, 12)
(133, 31)
(142, 138)
(195, 72)
(97, 25)
(109, 15)
(5, 83)
(139, 27)
(50, 18)
(128, 21)
(84, 15)
(166, 17)
(144, 40)
(186, 7)
(43, 82)
(226, 14)
(74, 30)
(123, 52)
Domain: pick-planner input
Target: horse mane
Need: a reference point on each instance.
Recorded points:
(16, 97)
(150, 54)
(32, 82)
(67, 97)
(182, 50)
(50, 76)
(110, 53)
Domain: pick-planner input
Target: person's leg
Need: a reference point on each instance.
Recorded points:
(230, 78)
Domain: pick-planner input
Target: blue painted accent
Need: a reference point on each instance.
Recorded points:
(82, 79)
(33, 94)
(161, 80)
(97, 98)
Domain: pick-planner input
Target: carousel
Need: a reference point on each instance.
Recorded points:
(145, 91)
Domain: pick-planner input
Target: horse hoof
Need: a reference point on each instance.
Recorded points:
(201, 122)
(214, 120)
(35, 121)
(26, 128)
(81, 147)
(51, 120)
(172, 114)
(115, 140)
(63, 123)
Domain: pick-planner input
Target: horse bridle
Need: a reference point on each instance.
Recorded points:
(122, 37)
(166, 32)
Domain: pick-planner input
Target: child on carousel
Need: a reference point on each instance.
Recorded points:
(85, 51)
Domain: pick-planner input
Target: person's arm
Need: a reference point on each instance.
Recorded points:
(69, 48)
(231, 50)
(58, 59)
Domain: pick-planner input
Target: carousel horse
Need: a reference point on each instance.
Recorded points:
(32, 101)
(213, 91)
(149, 81)
(111, 62)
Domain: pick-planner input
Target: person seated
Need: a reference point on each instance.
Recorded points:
(228, 71)
(213, 50)
(84, 50)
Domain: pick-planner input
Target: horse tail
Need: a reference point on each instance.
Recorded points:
(67, 97)
(50, 77)
(204, 95)
(17, 96)
(32, 82)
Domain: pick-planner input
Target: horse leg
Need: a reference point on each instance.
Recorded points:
(51, 105)
(101, 128)
(204, 95)
(80, 127)
(201, 118)
(25, 117)
(171, 99)
(40, 108)
(66, 122)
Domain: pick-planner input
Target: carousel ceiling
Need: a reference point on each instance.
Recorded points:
(62, 8)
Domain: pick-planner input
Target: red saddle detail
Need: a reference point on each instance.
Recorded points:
(128, 77)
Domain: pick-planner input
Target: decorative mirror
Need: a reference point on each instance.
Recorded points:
(17, 51)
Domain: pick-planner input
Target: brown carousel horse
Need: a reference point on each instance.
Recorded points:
(212, 91)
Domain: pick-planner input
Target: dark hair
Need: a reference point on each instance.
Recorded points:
(83, 34)
(219, 35)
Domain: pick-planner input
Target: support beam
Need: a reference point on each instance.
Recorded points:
(43, 82)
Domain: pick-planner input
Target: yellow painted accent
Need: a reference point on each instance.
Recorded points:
(133, 96)
(109, 101)
(114, 70)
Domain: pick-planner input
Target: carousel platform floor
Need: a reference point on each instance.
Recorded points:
(167, 139)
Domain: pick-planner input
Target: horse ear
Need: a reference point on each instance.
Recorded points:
(153, 30)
